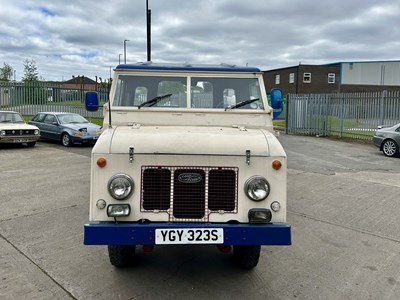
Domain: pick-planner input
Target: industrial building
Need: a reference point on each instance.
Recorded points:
(341, 77)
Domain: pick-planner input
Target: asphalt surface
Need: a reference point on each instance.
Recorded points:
(343, 205)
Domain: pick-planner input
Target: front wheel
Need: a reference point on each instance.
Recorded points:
(31, 144)
(121, 255)
(390, 148)
(66, 140)
(246, 257)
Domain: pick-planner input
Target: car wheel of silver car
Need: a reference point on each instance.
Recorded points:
(390, 148)
(66, 140)
(31, 144)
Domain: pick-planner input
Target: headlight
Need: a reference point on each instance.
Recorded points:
(120, 186)
(3, 132)
(118, 210)
(36, 132)
(257, 188)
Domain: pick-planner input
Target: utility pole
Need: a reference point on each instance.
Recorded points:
(125, 50)
(148, 22)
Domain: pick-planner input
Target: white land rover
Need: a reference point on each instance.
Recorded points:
(187, 156)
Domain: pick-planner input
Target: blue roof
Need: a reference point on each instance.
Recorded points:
(187, 67)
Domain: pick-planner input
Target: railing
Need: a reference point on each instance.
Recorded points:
(31, 98)
(354, 115)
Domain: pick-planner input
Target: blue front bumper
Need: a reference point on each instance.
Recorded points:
(144, 233)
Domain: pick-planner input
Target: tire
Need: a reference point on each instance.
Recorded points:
(31, 144)
(246, 257)
(66, 139)
(390, 148)
(121, 255)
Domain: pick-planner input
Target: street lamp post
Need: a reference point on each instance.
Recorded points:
(148, 25)
(125, 50)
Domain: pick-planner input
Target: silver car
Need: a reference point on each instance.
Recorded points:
(67, 128)
(387, 139)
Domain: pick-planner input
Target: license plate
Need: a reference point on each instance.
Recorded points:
(21, 141)
(190, 236)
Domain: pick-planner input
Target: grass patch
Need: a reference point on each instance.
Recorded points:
(94, 120)
(279, 123)
(27, 118)
(67, 103)
(74, 103)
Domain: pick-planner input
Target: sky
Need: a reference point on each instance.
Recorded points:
(86, 37)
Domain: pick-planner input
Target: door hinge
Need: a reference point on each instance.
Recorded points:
(248, 155)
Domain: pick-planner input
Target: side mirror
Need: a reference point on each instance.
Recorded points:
(276, 102)
(91, 101)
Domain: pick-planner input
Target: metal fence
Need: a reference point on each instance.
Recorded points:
(31, 98)
(354, 115)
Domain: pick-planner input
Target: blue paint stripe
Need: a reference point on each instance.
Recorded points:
(177, 67)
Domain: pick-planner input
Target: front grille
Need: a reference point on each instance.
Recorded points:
(189, 193)
(20, 132)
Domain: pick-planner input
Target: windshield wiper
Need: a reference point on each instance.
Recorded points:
(242, 103)
(154, 101)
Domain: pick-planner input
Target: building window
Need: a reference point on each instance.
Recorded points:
(331, 77)
(291, 78)
(277, 79)
(307, 77)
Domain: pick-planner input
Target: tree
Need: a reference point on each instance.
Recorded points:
(30, 71)
(6, 72)
(34, 90)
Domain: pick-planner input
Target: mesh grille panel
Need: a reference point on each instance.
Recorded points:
(156, 189)
(189, 197)
(221, 190)
(189, 193)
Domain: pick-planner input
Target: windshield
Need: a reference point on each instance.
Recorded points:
(204, 92)
(138, 90)
(225, 93)
(10, 117)
(71, 118)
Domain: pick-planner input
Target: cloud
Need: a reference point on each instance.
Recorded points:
(79, 37)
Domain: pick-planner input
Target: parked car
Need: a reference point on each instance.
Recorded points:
(387, 139)
(68, 128)
(14, 130)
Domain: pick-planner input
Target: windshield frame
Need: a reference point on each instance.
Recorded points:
(115, 92)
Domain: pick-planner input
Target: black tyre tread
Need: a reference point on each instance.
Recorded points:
(121, 255)
(31, 144)
(246, 257)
